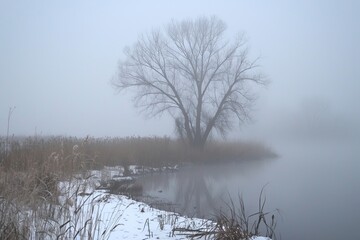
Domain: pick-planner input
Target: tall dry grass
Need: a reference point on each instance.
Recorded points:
(236, 224)
(68, 154)
(39, 196)
(32, 168)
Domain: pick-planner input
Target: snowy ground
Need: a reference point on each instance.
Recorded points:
(83, 211)
(139, 221)
(129, 219)
(119, 217)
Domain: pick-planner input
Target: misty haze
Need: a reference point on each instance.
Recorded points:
(172, 120)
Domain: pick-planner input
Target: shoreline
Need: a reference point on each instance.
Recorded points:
(157, 212)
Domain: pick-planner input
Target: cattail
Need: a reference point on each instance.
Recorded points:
(76, 149)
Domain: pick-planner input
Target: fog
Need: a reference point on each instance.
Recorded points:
(58, 58)
(57, 61)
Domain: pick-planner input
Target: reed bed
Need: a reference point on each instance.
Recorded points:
(68, 154)
(32, 169)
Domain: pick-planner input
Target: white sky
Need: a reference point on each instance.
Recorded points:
(57, 59)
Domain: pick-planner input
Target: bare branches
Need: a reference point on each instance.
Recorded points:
(190, 71)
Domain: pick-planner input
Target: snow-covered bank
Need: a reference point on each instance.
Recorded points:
(137, 220)
(79, 207)
(121, 217)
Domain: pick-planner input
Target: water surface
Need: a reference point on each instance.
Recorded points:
(315, 187)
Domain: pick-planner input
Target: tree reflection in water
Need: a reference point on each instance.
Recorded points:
(194, 195)
(200, 190)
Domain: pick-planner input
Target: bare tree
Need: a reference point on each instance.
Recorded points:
(191, 72)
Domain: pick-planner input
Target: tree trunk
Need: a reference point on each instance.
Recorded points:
(198, 144)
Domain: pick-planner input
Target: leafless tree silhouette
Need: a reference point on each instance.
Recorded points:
(192, 72)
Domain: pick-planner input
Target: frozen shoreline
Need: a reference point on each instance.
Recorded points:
(137, 220)
(125, 218)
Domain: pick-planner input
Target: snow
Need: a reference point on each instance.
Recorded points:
(137, 220)
(84, 211)
(119, 217)
(140, 221)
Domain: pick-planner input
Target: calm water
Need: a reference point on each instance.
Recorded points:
(315, 188)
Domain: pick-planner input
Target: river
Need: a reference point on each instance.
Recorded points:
(313, 189)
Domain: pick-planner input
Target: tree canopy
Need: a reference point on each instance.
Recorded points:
(191, 71)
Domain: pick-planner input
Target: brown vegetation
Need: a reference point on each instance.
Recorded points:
(31, 169)
(68, 154)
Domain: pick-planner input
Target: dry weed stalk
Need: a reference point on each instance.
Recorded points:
(37, 202)
(236, 224)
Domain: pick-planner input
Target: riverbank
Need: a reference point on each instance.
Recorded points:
(138, 220)
(60, 187)
(82, 210)
(153, 222)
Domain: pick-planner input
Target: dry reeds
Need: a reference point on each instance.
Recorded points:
(35, 204)
(67, 155)
(236, 224)
(31, 170)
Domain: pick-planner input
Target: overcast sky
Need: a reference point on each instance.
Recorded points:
(57, 59)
